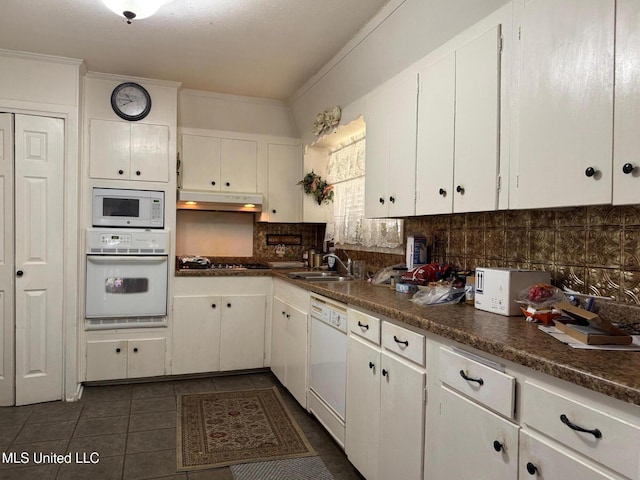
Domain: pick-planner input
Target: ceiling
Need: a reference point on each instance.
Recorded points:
(259, 48)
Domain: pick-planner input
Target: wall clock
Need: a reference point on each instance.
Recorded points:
(131, 101)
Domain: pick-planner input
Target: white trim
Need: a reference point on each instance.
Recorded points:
(384, 13)
(232, 98)
(129, 78)
(39, 57)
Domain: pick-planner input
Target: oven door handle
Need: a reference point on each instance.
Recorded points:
(124, 258)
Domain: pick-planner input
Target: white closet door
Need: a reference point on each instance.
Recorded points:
(7, 270)
(39, 247)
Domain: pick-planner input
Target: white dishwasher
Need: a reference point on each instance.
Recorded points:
(328, 365)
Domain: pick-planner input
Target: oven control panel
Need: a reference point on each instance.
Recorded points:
(127, 241)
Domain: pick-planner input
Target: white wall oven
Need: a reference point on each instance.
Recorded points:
(127, 273)
(114, 207)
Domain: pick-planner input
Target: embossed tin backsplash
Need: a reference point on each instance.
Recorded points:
(593, 250)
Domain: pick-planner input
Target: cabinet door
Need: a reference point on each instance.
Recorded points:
(363, 408)
(297, 354)
(474, 442)
(402, 147)
(565, 118)
(238, 165)
(477, 124)
(626, 143)
(402, 412)
(436, 123)
(107, 360)
(540, 460)
(285, 171)
(196, 334)
(279, 340)
(146, 357)
(200, 163)
(242, 332)
(109, 149)
(377, 157)
(149, 152)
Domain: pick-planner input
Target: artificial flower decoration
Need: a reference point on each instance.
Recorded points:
(314, 185)
(327, 120)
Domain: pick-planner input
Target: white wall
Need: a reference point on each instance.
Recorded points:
(407, 33)
(233, 113)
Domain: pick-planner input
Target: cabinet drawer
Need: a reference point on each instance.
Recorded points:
(365, 326)
(403, 342)
(485, 385)
(292, 295)
(610, 441)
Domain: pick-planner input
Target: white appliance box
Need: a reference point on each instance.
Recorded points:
(498, 288)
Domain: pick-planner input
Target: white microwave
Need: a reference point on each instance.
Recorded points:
(128, 208)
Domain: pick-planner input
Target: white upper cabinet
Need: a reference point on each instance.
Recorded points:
(391, 150)
(626, 148)
(285, 171)
(219, 164)
(458, 152)
(129, 151)
(563, 135)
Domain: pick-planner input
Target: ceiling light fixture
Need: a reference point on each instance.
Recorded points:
(138, 9)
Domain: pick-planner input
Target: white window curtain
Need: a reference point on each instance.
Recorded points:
(348, 227)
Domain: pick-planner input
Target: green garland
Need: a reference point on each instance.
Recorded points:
(314, 185)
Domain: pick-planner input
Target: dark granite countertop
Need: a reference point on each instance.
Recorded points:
(616, 374)
(212, 272)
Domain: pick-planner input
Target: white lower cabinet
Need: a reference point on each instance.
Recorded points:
(474, 442)
(540, 460)
(215, 329)
(385, 412)
(125, 358)
(218, 333)
(289, 338)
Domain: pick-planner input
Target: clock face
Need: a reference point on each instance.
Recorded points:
(131, 101)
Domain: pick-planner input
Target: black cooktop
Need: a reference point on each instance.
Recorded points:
(203, 263)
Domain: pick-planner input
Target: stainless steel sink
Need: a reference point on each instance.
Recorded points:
(320, 276)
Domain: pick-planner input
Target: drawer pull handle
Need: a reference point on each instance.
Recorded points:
(497, 446)
(595, 432)
(404, 342)
(479, 381)
(363, 325)
(385, 372)
(531, 468)
(372, 365)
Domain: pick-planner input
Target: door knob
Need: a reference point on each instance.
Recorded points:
(19, 273)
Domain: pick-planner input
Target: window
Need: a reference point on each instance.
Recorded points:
(348, 227)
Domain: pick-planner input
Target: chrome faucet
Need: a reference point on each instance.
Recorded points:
(347, 267)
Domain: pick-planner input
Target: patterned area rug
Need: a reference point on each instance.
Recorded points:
(310, 468)
(225, 428)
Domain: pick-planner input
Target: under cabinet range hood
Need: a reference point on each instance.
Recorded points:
(219, 201)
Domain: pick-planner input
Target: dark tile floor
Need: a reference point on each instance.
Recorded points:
(133, 430)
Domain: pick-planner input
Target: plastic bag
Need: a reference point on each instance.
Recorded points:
(439, 295)
(540, 296)
(424, 274)
(383, 277)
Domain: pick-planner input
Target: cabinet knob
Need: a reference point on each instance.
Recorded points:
(284, 313)
(497, 446)
(19, 273)
(460, 189)
(228, 184)
(120, 172)
(138, 172)
(135, 349)
(273, 211)
(372, 365)
(213, 305)
(381, 200)
(228, 305)
(288, 315)
(627, 168)
(392, 199)
(531, 468)
(118, 350)
(442, 192)
(213, 182)
(590, 172)
(385, 372)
